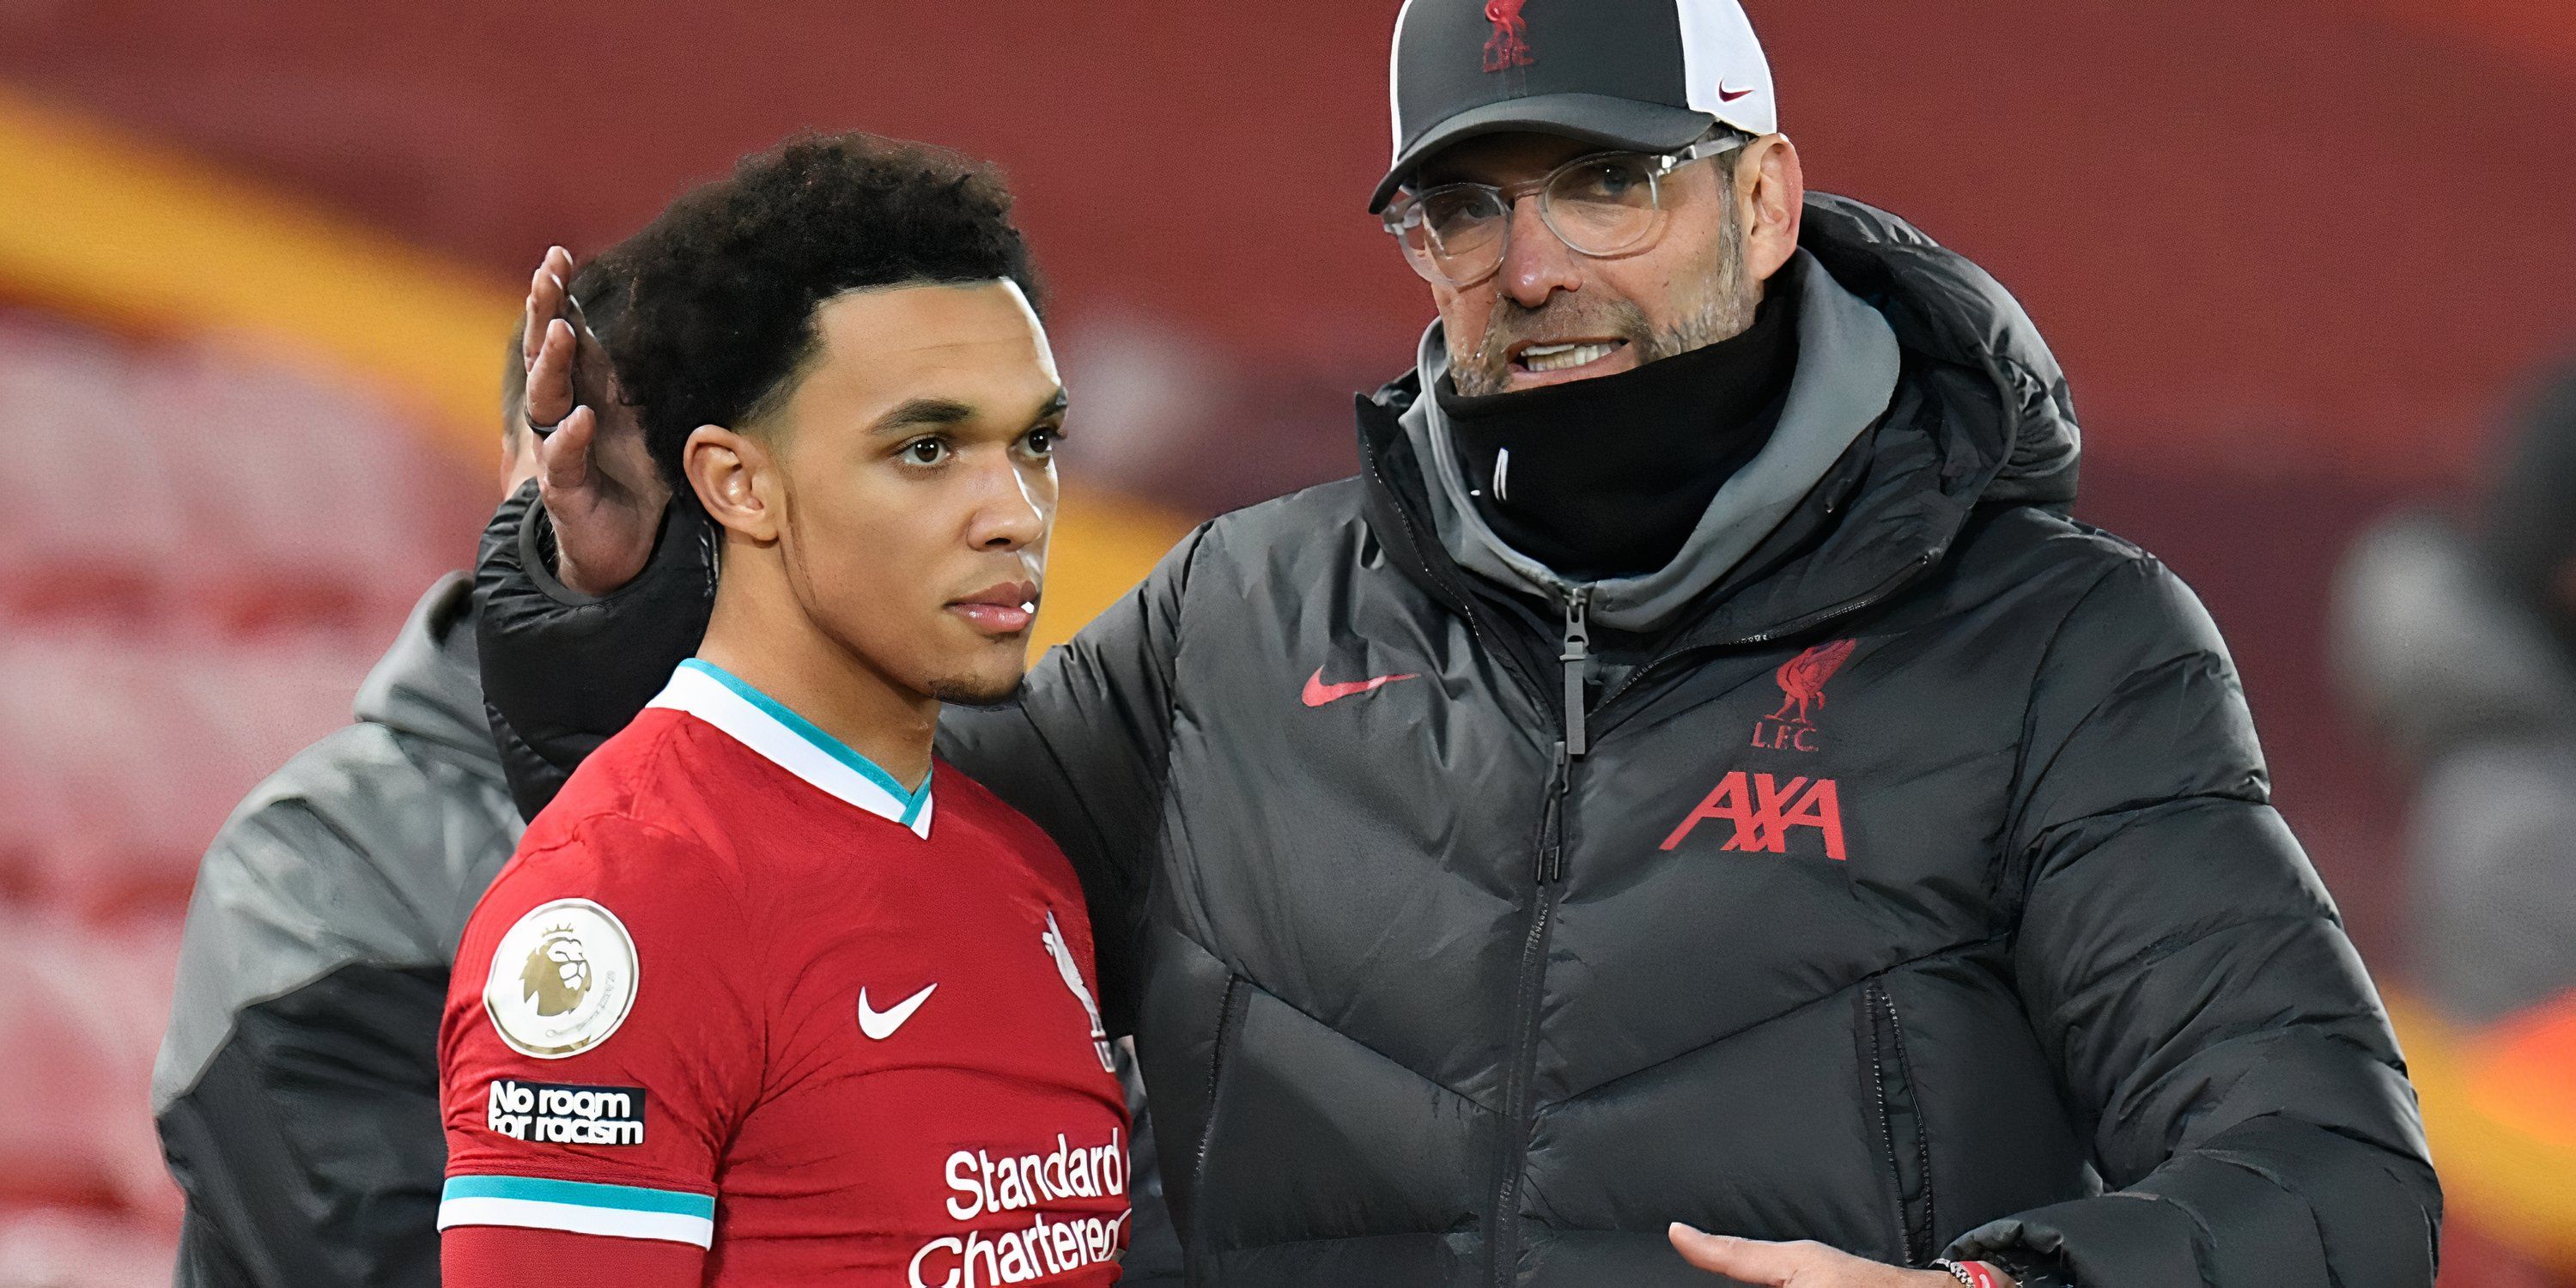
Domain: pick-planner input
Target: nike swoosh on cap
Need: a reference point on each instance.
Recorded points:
(1318, 693)
(880, 1025)
(1725, 95)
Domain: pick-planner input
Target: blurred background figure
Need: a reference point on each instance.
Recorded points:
(297, 1086)
(2459, 644)
(254, 257)
(2456, 640)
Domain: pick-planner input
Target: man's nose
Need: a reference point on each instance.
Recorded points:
(1011, 508)
(1537, 263)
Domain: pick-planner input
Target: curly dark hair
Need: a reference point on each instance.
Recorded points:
(722, 288)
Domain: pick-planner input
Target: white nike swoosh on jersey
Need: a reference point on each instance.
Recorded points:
(880, 1025)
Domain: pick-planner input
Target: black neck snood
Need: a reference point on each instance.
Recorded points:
(1608, 477)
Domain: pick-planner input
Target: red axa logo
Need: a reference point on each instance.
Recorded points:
(1763, 809)
(1509, 45)
(1802, 694)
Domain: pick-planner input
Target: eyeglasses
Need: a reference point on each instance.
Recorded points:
(1609, 203)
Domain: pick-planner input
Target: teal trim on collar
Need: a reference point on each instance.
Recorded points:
(912, 797)
(536, 1189)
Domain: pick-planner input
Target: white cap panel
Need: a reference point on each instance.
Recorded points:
(1395, 78)
(1724, 68)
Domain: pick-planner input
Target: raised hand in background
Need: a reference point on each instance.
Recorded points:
(597, 481)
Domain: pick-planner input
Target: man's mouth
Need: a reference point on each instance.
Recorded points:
(1565, 357)
(1552, 361)
(1003, 609)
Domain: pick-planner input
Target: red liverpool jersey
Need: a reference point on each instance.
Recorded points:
(740, 988)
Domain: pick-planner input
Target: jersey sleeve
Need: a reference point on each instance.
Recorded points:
(603, 1037)
(489, 1256)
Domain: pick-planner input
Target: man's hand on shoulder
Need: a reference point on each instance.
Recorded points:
(597, 480)
(1800, 1265)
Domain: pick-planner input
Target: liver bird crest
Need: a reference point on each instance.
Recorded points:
(1802, 679)
(1509, 45)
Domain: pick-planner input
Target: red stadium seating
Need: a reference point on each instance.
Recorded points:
(246, 495)
(80, 1019)
(269, 535)
(120, 756)
(57, 1249)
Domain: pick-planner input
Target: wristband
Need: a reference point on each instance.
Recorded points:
(2031, 1269)
(1972, 1274)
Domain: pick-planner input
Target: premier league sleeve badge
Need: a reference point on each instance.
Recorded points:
(562, 980)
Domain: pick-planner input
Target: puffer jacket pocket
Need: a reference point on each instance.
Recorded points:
(1229, 1026)
(1903, 1144)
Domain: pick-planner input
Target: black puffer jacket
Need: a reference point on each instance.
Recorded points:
(1914, 890)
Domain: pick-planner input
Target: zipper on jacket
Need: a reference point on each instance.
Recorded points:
(1548, 870)
(1229, 1017)
(1900, 1123)
(1576, 655)
(1550, 865)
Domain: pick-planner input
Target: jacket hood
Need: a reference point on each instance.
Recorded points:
(2018, 420)
(429, 685)
(1979, 412)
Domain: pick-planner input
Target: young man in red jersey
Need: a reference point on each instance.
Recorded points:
(767, 996)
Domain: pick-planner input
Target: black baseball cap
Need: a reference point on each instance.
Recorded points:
(1651, 75)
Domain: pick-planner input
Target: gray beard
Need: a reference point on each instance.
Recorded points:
(1732, 300)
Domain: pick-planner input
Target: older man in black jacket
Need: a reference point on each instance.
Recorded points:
(1696, 773)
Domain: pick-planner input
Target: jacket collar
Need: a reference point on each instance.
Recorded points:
(1980, 413)
(1846, 375)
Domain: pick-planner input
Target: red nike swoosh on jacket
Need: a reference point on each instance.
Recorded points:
(1318, 693)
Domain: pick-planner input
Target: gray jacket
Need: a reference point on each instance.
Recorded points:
(297, 1087)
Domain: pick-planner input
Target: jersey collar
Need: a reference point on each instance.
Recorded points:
(793, 743)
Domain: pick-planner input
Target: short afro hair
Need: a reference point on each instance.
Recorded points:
(722, 288)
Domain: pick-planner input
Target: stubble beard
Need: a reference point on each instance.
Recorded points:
(969, 691)
(1724, 315)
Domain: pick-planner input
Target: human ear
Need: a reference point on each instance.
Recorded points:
(1771, 199)
(731, 475)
